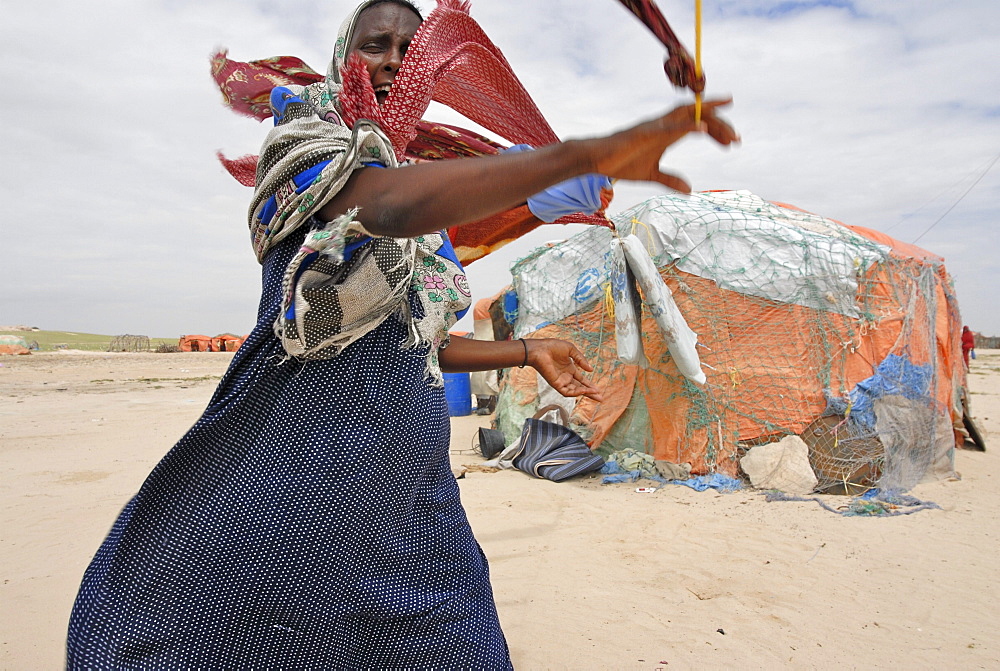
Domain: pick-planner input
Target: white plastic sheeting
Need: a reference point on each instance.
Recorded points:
(628, 328)
(681, 340)
(735, 238)
(553, 283)
(749, 245)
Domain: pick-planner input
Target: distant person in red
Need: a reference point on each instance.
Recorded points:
(968, 344)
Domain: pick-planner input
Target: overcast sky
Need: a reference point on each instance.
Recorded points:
(118, 218)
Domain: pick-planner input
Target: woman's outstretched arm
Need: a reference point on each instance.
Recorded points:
(558, 361)
(431, 196)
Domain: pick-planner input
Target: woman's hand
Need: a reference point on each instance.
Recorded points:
(558, 361)
(563, 367)
(635, 153)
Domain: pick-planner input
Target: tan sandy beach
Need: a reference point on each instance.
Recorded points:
(586, 576)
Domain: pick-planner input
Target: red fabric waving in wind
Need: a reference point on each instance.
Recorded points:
(450, 60)
(679, 65)
(246, 87)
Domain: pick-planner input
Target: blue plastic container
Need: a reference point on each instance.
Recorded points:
(458, 393)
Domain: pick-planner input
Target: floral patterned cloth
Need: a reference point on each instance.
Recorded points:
(342, 284)
(305, 161)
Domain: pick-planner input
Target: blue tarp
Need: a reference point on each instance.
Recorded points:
(717, 481)
(895, 376)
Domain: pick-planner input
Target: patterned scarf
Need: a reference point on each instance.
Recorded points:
(449, 59)
(333, 125)
(305, 160)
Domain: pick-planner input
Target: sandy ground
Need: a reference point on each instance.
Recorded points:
(586, 576)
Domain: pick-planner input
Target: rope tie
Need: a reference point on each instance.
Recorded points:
(697, 58)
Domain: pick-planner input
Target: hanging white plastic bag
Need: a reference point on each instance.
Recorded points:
(628, 308)
(681, 340)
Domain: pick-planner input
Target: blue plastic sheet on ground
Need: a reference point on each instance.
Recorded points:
(611, 467)
(613, 474)
(873, 503)
(621, 477)
(716, 481)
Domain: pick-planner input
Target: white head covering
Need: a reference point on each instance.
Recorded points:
(346, 34)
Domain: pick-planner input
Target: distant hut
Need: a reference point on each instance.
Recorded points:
(226, 342)
(12, 344)
(129, 343)
(195, 343)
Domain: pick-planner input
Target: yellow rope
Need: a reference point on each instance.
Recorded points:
(697, 58)
(735, 378)
(836, 432)
(649, 234)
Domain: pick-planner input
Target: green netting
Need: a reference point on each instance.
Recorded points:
(13, 341)
(804, 326)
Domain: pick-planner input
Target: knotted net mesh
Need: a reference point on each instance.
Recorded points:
(805, 326)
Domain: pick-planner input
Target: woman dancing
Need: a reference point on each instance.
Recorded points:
(309, 519)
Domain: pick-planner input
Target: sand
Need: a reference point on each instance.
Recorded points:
(586, 576)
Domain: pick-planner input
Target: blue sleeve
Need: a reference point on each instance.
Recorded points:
(579, 194)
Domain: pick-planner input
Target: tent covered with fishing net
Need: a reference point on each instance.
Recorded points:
(804, 326)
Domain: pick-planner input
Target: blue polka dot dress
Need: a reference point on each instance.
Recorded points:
(309, 519)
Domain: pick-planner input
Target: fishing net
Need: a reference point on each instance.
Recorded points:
(805, 326)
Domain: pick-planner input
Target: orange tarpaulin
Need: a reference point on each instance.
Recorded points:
(771, 366)
(226, 342)
(195, 343)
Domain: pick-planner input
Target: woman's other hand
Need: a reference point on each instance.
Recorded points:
(635, 153)
(563, 367)
(558, 361)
